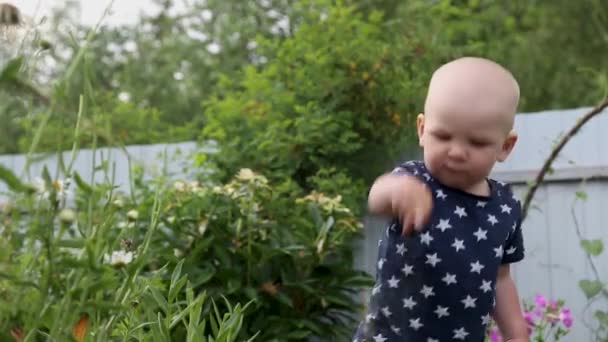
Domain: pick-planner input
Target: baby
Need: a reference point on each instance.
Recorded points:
(443, 262)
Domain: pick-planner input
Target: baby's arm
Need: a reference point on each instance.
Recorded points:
(508, 314)
(401, 196)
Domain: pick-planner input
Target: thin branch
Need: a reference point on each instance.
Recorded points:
(555, 152)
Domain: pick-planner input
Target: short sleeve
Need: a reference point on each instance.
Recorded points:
(514, 246)
(411, 168)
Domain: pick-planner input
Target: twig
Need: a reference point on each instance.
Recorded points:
(555, 152)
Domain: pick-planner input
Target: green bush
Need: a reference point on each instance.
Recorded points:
(82, 253)
(335, 101)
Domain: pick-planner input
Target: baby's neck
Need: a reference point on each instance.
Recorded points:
(482, 188)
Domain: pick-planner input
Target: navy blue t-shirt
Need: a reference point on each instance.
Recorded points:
(438, 284)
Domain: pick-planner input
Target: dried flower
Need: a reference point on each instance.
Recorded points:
(9, 15)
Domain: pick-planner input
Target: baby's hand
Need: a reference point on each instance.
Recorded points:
(412, 202)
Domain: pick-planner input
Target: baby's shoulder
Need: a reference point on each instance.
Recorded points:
(414, 168)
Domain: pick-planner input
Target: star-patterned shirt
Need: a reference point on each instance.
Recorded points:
(438, 284)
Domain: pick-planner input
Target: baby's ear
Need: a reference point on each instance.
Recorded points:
(507, 146)
(420, 128)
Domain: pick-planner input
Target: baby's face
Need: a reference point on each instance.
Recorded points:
(467, 123)
(460, 149)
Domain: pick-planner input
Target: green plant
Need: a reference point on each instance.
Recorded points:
(247, 240)
(333, 100)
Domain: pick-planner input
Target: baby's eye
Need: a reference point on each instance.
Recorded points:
(479, 143)
(442, 136)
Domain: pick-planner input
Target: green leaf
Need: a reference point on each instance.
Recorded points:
(602, 316)
(12, 181)
(591, 287)
(581, 195)
(298, 334)
(160, 299)
(73, 243)
(10, 71)
(177, 271)
(176, 288)
(593, 247)
(283, 298)
(82, 184)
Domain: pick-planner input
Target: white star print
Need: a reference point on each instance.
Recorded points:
(441, 194)
(458, 244)
(379, 338)
(485, 320)
(426, 238)
(460, 212)
(427, 291)
(469, 302)
(515, 198)
(443, 225)
(386, 312)
(476, 267)
(499, 251)
(492, 219)
(376, 289)
(369, 317)
(401, 249)
(415, 324)
(409, 303)
(426, 176)
(449, 279)
(481, 234)
(396, 330)
(460, 334)
(441, 311)
(432, 259)
(486, 286)
(408, 269)
(393, 282)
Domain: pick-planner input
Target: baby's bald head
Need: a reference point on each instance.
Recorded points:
(473, 86)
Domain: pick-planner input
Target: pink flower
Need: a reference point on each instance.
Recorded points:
(529, 317)
(495, 336)
(565, 317)
(540, 301)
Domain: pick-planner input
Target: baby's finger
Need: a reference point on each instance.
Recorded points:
(420, 218)
(407, 222)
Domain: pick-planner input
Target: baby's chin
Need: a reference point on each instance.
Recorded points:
(455, 180)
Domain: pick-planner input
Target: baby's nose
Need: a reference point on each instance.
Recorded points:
(457, 152)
